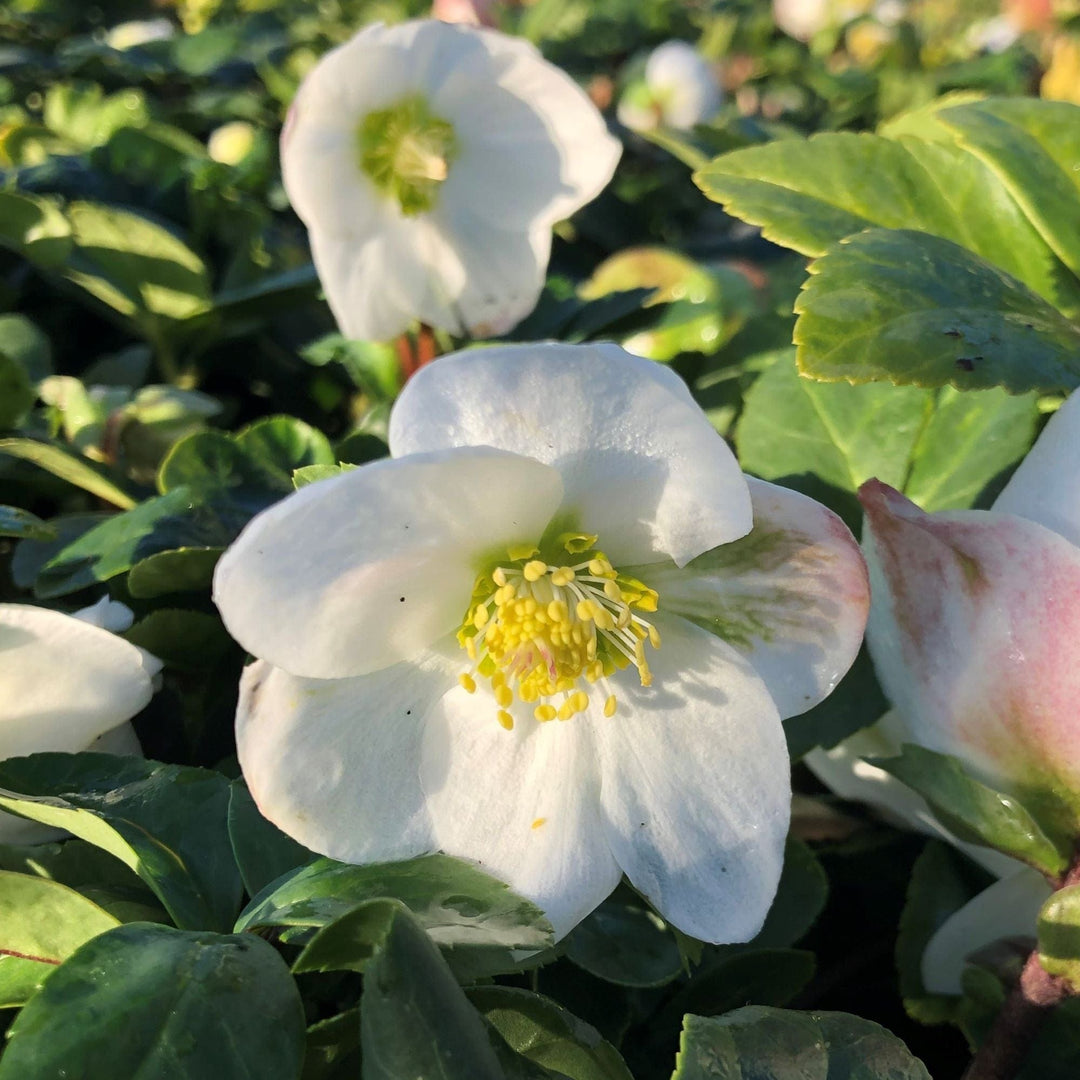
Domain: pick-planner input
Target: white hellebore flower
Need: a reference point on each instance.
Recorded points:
(679, 89)
(429, 162)
(542, 636)
(975, 635)
(67, 684)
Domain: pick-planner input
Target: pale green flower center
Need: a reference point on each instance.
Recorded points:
(546, 633)
(407, 152)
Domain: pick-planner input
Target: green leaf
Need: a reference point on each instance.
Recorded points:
(776, 1044)
(16, 393)
(147, 1000)
(135, 267)
(165, 822)
(41, 924)
(972, 811)
(373, 366)
(24, 342)
(187, 640)
(311, 474)
(800, 896)
(1058, 931)
(1032, 146)
(187, 569)
(911, 308)
(941, 883)
(333, 1048)
(163, 523)
(24, 525)
(475, 918)
(35, 228)
(625, 943)
(67, 467)
(415, 1020)
(270, 294)
(263, 852)
(82, 114)
(545, 1033)
(808, 194)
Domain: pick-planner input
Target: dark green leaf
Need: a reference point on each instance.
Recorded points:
(623, 942)
(972, 811)
(22, 341)
(67, 467)
(34, 227)
(166, 822)
(263, 852)
(545, 1033)
(24, 525)
(475, 918)
(187, 569)
(333, 1048)
(147, 1000)
(775, 1044)
(188, 640)
(16, 392)
(415, 1020)
(915, 309)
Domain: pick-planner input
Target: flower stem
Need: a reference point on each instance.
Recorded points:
(1018, 1022)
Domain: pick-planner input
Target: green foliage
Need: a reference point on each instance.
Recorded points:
(772, 1044)
(974, 812)
(1059, 935)
(167, 1003)
(166, 822)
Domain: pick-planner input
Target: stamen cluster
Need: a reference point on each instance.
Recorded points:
(535, 631)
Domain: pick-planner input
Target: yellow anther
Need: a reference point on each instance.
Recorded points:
(544, 713)
(566, 710)
(534, 570)
(558, 612)
(468, 682)
(480, 617)
(470, 648)
(609, 706)
(498, 575)
(580, 700)
(563, 576)
(538, 822)
(584, 610)
(504, 696)
(612, 591)
(497, 680)
(602, 617)
(505, 719)
(654, 637)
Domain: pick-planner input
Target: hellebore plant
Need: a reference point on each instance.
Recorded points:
(975, 635)
(678, 90)
(429, 162)
(555, 633)
(69, 684)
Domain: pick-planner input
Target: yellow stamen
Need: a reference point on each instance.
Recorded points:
(505, 719)
(468, 682)
(609, 706)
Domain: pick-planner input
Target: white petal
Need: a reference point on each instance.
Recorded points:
(1006, 909)
(685, 84)
(641, 465)
(107, 614)
(792, 596)
(121, 740)
(353, 573)
(64, 681)
(522, 804)
(533, 147)
(695, 785)
(1046, 486)
(335, 763)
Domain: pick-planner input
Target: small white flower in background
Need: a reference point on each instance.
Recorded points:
(802, 19)
(471, 12)
(975, 636)
(128, 35)
(679, 89)
(68, 684)
(542, 636)
(429, 162)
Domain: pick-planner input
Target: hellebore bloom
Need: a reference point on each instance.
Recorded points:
(429, 162)
(975, 635)
(679, 89)
(533, 638)
(69, 685)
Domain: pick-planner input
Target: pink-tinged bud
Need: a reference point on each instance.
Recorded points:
(975, 634)
(470, 12)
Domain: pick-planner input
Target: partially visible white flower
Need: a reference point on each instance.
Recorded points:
(974, 635)
(554, 633)
(429, 162)
(66, 684)
(993, 35)
(128, 35)
(230, 143)
(108, 615)
(678, 90)
(801, 19)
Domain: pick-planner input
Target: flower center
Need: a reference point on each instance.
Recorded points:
(545, 634)
(407, 152)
